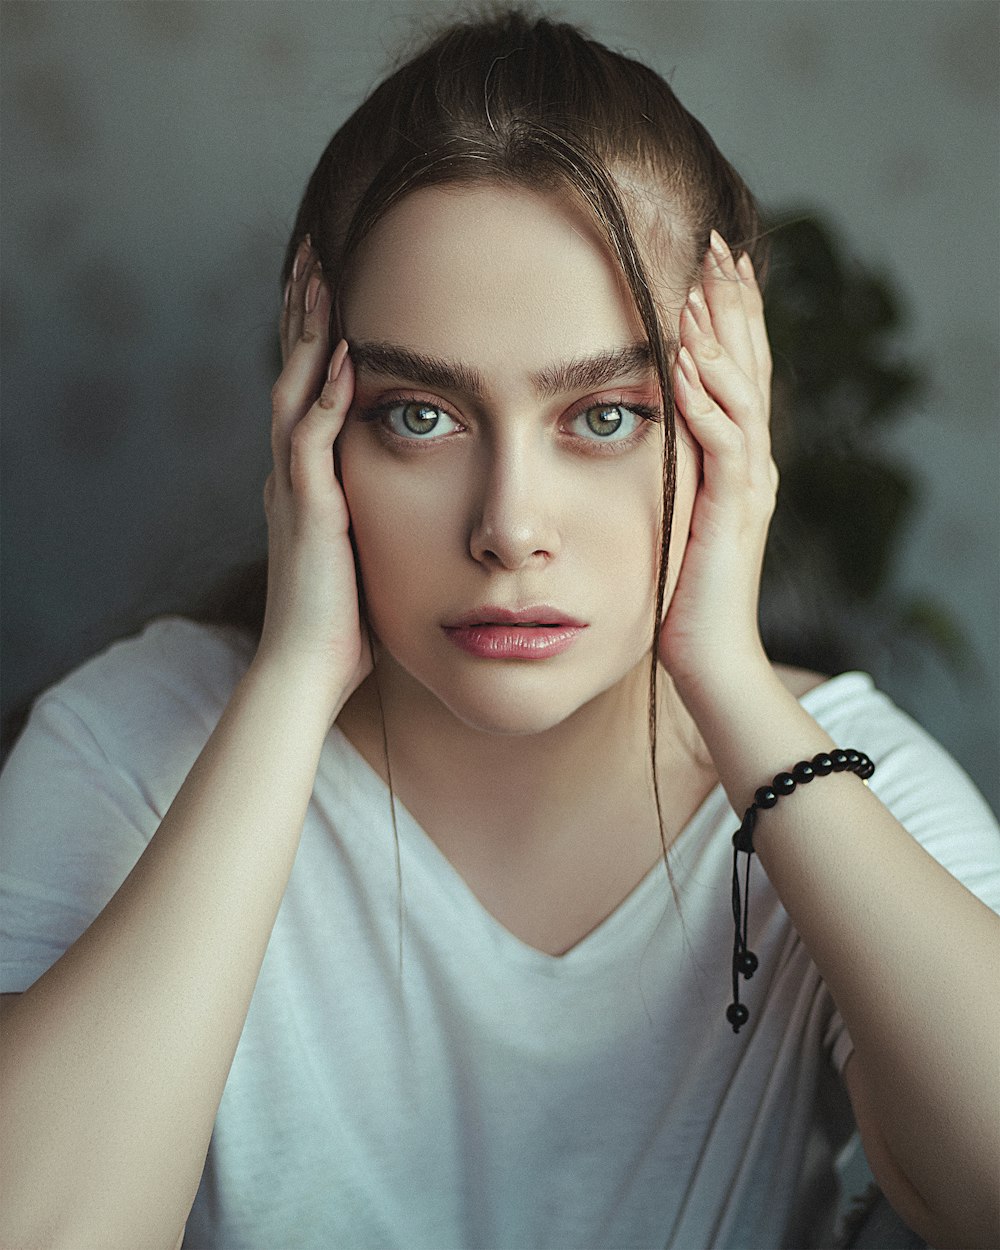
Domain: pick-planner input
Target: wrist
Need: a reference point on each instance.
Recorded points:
(290, 682)
(752, 725)
(719, 679)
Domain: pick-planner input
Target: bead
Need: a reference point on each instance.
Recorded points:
(747, 963)
(743, 837)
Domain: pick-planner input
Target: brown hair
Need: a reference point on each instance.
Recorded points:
(526, 101)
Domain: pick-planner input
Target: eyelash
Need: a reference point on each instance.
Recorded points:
(649, 417)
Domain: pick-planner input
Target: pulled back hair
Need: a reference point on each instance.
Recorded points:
(520, 100)
(527, 102)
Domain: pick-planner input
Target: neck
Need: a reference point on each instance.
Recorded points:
(592, 765)
(551, 831)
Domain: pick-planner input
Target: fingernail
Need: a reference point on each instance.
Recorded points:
(697, 310)
(312, 291)
(337, 361)
(745, 266)
(680, 378)
(720, 247)
(686, 362)
(689, 321)
(304, 248)
(285, 297)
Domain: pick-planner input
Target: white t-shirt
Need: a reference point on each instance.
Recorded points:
(490, 1097)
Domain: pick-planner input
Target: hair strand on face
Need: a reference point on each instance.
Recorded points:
(525, 101)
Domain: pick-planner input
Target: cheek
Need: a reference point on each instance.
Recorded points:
(411, 531)
(626, 545)
(374, 522)
(398, 530)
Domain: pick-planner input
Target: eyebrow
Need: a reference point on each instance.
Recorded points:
(581, 373)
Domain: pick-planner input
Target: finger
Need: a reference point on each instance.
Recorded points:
(754, 303)
(688, 447)
(311, 469)
(719, 374)
(715, 433)
(724, 294)
(302, 377)
(293, 313)
(735, 399)
(733, 472)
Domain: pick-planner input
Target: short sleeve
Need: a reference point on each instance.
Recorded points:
(74, 828)
(90, 779)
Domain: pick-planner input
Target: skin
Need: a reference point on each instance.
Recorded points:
(520, 502)
(115, 1060)
(917, 1084)
(515, 501)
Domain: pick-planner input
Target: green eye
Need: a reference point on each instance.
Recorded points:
(604, 421)
(607, 423)
(415, 421)
(419, 418)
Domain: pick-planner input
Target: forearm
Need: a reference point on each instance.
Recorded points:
(114, 1062)
(910, 956)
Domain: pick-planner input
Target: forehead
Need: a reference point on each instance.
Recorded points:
(506, 277)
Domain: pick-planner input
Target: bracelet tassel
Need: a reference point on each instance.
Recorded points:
(745, 962)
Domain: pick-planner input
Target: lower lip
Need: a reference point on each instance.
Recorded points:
(514, 642)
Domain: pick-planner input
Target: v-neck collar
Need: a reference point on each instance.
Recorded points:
(638, 913)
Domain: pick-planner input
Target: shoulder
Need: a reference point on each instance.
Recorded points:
(858, 715)
(928, 791)
(172, 658)
(144, 706)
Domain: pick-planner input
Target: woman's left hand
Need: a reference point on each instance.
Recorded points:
(722, 387)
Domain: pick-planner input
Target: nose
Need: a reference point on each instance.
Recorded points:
(514, 523)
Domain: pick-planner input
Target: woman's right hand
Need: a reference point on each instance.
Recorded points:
(312, 622)
(139, 1019)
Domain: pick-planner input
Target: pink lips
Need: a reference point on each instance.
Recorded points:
(533, 633)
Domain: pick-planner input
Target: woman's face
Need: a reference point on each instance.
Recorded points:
(497, 458)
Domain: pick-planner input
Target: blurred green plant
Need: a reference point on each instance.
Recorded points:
(828, 598)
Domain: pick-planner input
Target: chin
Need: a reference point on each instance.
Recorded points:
(513, 719)
(517, 700)
(508, 698)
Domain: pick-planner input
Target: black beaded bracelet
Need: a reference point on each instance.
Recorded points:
(744, 960)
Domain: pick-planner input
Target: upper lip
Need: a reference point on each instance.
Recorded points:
(536, 614)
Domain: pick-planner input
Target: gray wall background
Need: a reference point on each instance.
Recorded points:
(152, 158)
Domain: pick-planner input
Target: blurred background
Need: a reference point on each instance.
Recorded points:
(153, 156)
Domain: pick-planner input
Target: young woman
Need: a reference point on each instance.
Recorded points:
(409, 922)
